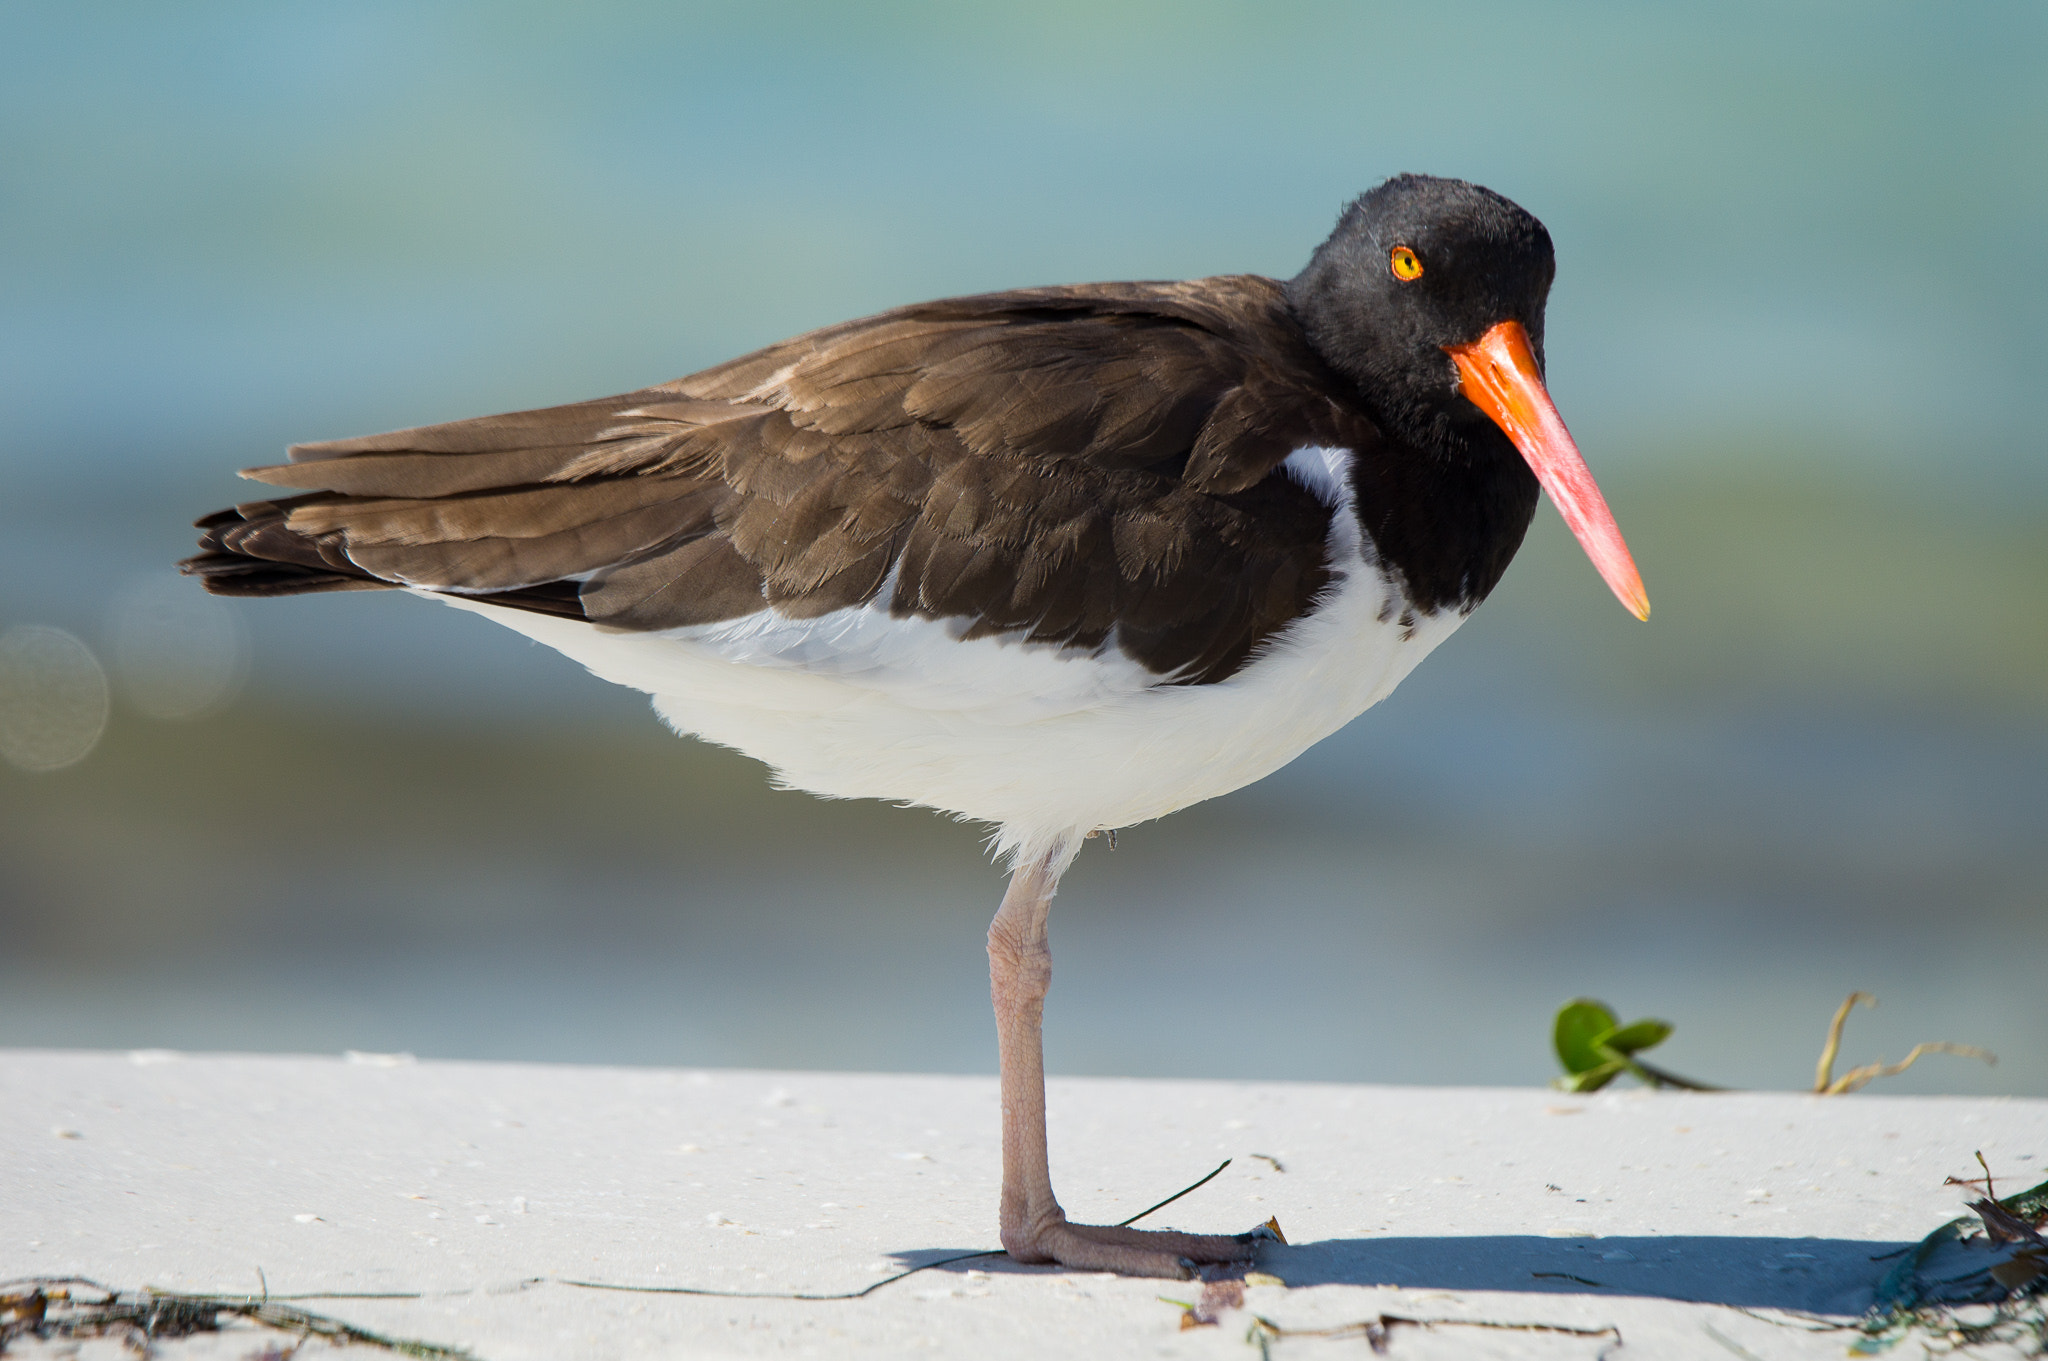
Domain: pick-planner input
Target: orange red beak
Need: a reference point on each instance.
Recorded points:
(1499, 377)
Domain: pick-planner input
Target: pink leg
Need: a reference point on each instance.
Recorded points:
(1034, 1228)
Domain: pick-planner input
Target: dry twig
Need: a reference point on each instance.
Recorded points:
(1825, 1083)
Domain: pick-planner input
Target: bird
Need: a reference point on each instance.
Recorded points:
(1058, 560)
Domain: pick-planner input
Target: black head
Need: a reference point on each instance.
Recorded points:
(1482, 260)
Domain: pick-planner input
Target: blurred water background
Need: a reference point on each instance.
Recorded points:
(1797, 329)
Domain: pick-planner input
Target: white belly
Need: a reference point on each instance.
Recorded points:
(858, 704)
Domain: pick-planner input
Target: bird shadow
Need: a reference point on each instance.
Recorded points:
(1836, 1276)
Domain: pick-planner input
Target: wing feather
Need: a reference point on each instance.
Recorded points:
(1069, 465)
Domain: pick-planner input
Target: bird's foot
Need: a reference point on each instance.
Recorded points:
(1130, 1252)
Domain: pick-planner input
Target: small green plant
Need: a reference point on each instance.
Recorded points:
(1595, 1048)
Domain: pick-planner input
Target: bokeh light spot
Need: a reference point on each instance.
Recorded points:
(179, 653)
(53, 698)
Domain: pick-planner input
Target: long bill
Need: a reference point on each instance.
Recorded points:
(1500, 378)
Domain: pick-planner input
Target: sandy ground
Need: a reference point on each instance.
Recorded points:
(487, 1202)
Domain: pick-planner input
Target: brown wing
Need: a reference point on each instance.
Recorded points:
(1055, 464)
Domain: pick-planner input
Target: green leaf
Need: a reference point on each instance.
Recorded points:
(1579, 1023)
(1593, 1079)
(1635, 1037)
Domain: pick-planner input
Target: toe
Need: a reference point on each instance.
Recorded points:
(1132, 1252)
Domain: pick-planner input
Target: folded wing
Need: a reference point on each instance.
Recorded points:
(1083, 467)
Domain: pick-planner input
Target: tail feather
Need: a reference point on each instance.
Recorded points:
(251, 550)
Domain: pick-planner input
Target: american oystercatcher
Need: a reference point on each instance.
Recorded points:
(1058, 559)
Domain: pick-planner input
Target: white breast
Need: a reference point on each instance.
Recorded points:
(1038, 740)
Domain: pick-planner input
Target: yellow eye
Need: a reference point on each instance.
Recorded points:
(1405, 265)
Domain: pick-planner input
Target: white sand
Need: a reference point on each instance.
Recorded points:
(487, 1186)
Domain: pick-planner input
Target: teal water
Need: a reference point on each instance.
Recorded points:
(1803, 257)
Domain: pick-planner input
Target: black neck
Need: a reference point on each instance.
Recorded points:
(1448, 524)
